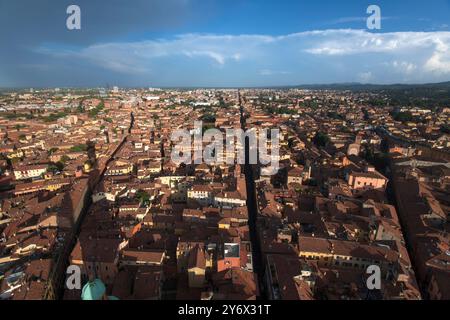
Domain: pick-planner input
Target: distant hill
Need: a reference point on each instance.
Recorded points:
(430, 95)
(374, 87)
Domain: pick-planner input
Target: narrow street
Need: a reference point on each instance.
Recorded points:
(258, 264)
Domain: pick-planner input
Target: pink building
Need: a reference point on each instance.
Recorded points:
(367, 180)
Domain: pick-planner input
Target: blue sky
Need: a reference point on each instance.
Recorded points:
(218, 43)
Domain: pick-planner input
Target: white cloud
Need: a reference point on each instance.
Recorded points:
(429, 49)
(439, 62)
(220, 59)
(411, 52)
(404, 66)
(268, 72)
(346, 42)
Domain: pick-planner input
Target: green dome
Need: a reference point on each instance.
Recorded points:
(93, 290)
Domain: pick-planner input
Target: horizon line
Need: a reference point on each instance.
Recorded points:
(233, 87)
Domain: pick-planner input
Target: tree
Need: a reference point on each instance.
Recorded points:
(94, 112)
(321, 139)
(80, 108)
(55, 116)
(52, 151)
(143, 197)
(79, 148)
(208, 118)
(445, 128)
(55, 167)
(64, 159)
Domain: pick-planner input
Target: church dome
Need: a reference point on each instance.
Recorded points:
(93, 290)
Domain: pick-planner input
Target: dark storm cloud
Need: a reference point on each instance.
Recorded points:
(28, 24)
(207, 43)
(37, 21)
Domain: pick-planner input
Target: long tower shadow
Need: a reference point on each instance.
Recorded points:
(258, 265)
